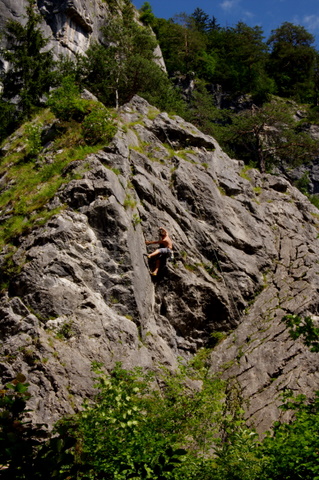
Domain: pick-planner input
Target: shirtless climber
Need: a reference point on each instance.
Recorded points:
(164, 251)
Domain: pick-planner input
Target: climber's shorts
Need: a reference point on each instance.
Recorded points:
(165, 253)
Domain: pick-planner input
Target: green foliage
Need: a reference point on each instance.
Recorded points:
(8, 119)
(136, 219)
(124, 65)
(146, 14)
(269, 135)
(31, 181)
(33, 133)
(305, 328)
(242, 69)
(303, 183)
(16, 442)
(292, 449)
(23, 453)
(66, 102)
(98, 126)
(201, 110)
(314, 199)
(239, 458)
(66, 330)
(216, 338)
(292, 61)
(30, 73)
(135, 430)
(129, 201)
(141, 426)
(97, 122)
(182, 45)
(201, 20)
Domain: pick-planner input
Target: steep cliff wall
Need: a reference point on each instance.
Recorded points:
(246, 253)
(70, 25)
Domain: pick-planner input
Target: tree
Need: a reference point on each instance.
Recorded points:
(269, 135)
(201, 109)
(30, 73)
(241, 59)
(146, 14)
(133, 429)
(183, 45)
(125, 64)
(201, 20)
(292, 61)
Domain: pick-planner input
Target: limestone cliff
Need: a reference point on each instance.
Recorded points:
(246, 254)
(70, 25)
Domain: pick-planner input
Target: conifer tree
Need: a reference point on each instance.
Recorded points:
(30, 72)
(201, 19)
(292, 61)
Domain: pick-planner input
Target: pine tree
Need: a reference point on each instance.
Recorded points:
(292, 62)
(201, 20)
(269, 135)
(30, 72)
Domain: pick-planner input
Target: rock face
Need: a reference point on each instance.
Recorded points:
(308, 172)
(73, 24)
(246, 254)
(70, 25)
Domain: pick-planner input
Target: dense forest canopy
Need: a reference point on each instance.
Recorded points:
(238, 58)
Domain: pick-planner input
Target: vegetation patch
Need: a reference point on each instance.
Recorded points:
(32, 175)
(133, 430)
(66, 331)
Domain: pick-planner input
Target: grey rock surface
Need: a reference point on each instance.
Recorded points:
(70, 25)
(246, 254)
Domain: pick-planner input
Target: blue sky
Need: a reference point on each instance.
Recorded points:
(268, 14)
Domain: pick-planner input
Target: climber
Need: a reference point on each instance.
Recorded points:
(164, 251)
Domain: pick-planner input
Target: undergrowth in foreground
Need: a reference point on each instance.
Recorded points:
(177, 425)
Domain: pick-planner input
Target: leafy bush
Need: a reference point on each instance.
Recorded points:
(292, 449)
(304, 328)
(135, 430)
(98, 126)
(314, 199)
(66, 102)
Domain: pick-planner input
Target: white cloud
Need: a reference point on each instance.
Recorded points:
(228, 5)
(311, 22)
(249, 14)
